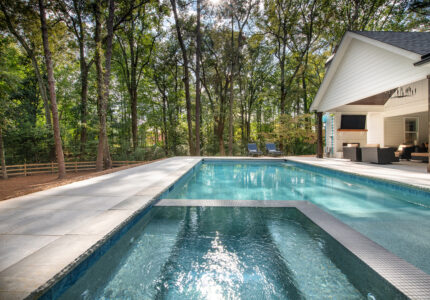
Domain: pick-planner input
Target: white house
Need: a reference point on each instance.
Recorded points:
(376, 91)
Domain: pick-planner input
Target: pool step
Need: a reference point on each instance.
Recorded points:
(233, 258)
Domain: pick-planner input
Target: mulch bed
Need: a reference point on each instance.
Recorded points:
(23, 185)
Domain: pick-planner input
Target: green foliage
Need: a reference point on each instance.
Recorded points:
(296, 134)
(275, 43)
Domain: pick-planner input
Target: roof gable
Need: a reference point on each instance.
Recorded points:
(417, 42)
(363, 67)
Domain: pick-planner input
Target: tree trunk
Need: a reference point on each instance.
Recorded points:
(186, 77)
(51, 84)
(42, 89)
(103, 78)
(133, 87)
(283, 92)
(220, 131)
(198, 55)
(164, 110)
(84, 104)
(100, 86)
(230, 109)
(134, 118)
(2, 156)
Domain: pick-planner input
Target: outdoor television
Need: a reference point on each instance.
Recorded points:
(353, 122)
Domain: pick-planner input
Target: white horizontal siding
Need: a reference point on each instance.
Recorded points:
(408, 105)
(366, 70)
(395, 129)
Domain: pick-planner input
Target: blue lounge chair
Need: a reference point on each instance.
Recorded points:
(253, 150)
(271, 149)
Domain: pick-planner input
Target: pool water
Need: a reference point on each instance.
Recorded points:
(397, 220)
(225, 253)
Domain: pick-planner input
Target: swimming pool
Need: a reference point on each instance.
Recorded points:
(228, 253)
(395, 217)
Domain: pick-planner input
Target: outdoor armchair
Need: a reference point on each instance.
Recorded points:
(271, 149)
(352, 152)
(253, 150)
(375, 154)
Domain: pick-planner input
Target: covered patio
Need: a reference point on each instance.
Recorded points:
(375, 98)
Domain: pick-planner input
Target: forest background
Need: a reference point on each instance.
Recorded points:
(144, 79)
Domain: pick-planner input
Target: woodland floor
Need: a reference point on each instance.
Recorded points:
(23, 185)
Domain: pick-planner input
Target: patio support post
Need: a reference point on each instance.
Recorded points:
(319, 135)
(428, 113)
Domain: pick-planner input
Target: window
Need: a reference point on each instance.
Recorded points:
(411, 131)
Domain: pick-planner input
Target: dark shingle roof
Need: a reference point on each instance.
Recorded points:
(417, 42)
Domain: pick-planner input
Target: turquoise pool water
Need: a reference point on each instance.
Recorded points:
(396, 219)
(227, 253)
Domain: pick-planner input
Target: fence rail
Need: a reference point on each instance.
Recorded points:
(71, 166)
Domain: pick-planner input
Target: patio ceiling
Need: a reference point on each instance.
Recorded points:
(378, 99)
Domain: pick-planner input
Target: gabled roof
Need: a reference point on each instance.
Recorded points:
(417, 42)
(369, 63)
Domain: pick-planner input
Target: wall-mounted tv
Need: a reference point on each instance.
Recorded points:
(353, 122)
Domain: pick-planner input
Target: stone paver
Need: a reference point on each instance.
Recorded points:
(42, 233)
(411, 173)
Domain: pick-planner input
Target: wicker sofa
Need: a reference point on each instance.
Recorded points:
(352, 152)
(377, 155)
(404, 151)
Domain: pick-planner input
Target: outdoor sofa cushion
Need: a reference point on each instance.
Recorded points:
(423, 156)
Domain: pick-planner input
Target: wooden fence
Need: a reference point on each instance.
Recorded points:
(72, 166)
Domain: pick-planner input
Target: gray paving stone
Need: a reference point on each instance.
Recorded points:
(14, 248)
(42, 233)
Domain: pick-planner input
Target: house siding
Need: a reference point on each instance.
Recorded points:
(366, 70)
(395, 129)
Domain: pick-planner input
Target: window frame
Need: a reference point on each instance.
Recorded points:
(417, 132)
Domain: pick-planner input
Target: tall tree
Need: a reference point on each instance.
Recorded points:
(279, 21)
(198, 89)
(52, 94)
(103, 79)
(137, 43)
(75, 15)
(186, 76)
(13, 14)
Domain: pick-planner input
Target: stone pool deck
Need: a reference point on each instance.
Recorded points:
(405, 172)
(42, 233)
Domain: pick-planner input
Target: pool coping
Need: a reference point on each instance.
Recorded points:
(409, 280)
(298, 160)
(160, 189)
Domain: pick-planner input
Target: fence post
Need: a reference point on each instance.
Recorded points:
(25, 169)
(76, 166)
(52, 167)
